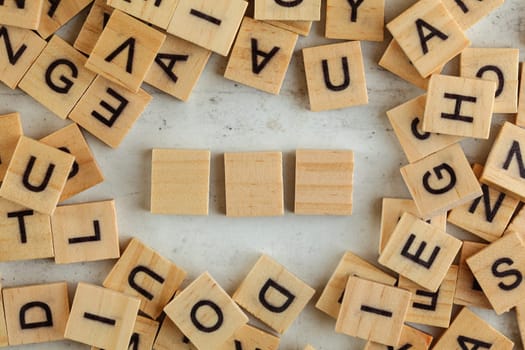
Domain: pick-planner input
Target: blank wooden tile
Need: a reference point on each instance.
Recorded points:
(487, 216)
(441, 181)
(300, 27)
(281, 295)
(406, 120)
(497, 269)
(324, 182)
(363, 20)
(249, 337)
(180, 181)
(109, 111)
(469, 12)
(158, 13)
(411, 338)
(101, 317)
(212, 25)
(3, 326)
(431, 308)
(468, 290)
(520, 117)
(25, 47)
(261, 55)
(372, 311)
(57, 13)
(143, 334)
(254, 184)
(37, 313)
(429, 35)
(85, 172)
(350, 265)
(205, 313)
(65, 81)
(305, 10)
(93, 26)
(171, 338)
(143, 273)
(469, 331)
(335, 76)
(36, 175)
(10, 133)
(23, 14)
(177, 67)
(125, 50)
(426, 265)
(85, 232)
(504, 169)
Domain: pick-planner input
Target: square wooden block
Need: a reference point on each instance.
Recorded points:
(24, 234)
(469, 12)
(499, 65)
(23, 14)
(254, 184)
(304, 10)
(85, 232)
(125, 50)
(261, 55)
(3, 326)
(468, 290)
(248, 337)
(469, 331)
(355, 20)
(85, 172)
(504, 169)
(102, 317)
(429, 35)
(350, 265)
(411, 338)
(171, 338)
(431, 308)
(273, 294)
(36, 314)
(57, 13)
(212, 25)
(497, 269)
(180, 181)
(143, 273)
(406, 120)
(158, 13)
(25, 46)
(109, 111)
(177, 67)
(205, 313)
(143, 335)
(373, 311)
(10, 133)
(300, 27)
(420, 252)
(36, 175)
(58, 78)
(487, 216)
(324, 182)
(459, 106)
(93, 26)
(520, 117)
(441, 181)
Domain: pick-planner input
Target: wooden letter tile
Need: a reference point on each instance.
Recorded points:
(101, 317)
(411, 338)
(25, 47)
(108, 111)
(350, 265)
(300, 27)
(10, 133)
(324, 182)
(420, 252)
(406, 120)
(125, 50)
(36, 175)
(85, 172)
(57, 13)
(469, 12)
(428, 35)
(261, 55)
(177, 67)
(212, 25)
(85, 232)
(36, 314)
(273, 294)
(372, 311)
(93, 26)
(487, 216)
(171, 338)
(143, 273)
(3, 326)
(23, 14)
(335, 76)
(205, 313)
(304, 10)
(520, 117)
(254, 184)
(58, 78)
(180, 181)
(158, 13)
(517, 223)
(441, 181)
(520, 318)
(248, 337)
(468, 331)
(499, 270)
(355, 20)
(143, 334)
